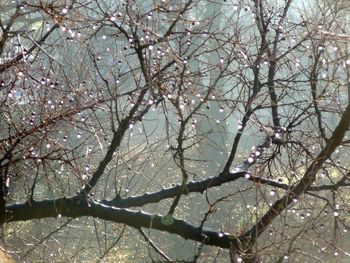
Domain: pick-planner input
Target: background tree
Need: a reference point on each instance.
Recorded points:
(221, 122)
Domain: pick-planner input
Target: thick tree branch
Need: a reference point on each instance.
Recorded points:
(191, 187)
(79, 207)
